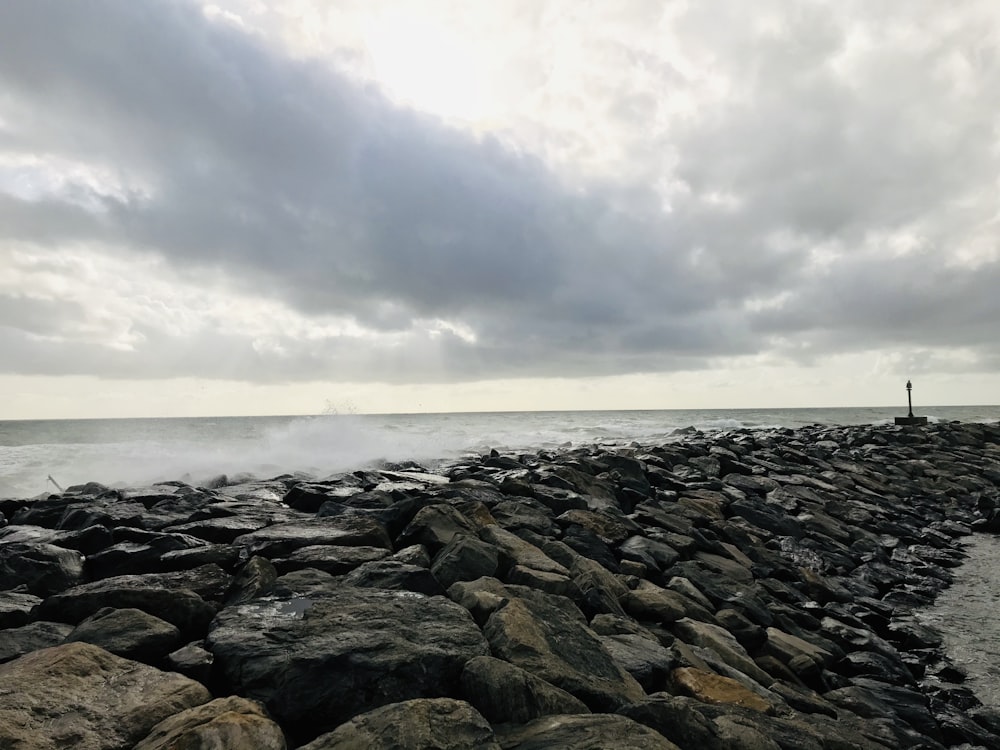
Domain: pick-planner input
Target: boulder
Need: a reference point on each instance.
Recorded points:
(231, 723)
(78, 695)
(131, 633)
(583, 732)
(544, 640)
(280, 540)
(16, 642)
(709, 687)
(42, 569)
(504, 693)
(317, 661)
(418, 724)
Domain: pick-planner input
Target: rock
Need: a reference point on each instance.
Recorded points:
(192, 661)
(80, 696)
(723, 643)
(316, 662)
(677, 718)
(253, 579)
(182, 608)
(280, 540)
(42, 569)
(712, 688)
(231, 723)
(130, 633)
(391, 574)
(16, 642)
(464, 558)
(332, 558)
(421, 723)
(504, 693)
(542, 639)
(17, 608)
(642, 657)
(583, 732)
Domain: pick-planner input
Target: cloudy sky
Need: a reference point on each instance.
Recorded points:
(264, 206)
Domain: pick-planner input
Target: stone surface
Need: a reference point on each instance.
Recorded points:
(42, 569)
(128, 632)
(586, 732)
(231, 723)
(504, 693)
(419, 724)
(542, 639)
(80, 696)
(317, 662)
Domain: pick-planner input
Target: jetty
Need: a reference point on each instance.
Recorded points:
(749, 589)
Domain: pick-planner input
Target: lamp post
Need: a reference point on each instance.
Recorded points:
(910, 419)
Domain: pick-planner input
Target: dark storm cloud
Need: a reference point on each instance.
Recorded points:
(292, 181)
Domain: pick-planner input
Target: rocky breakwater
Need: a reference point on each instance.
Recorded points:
(750, 589)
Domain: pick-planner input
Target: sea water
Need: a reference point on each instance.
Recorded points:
(37, 456)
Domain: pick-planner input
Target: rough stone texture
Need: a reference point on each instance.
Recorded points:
(713, 688)
(16, 642)
(42, 568)
(542, 639)
(231, 723)
(586, 732)
(419, 724)
(504, 693)
(80, 696)
(317, 662)
(130, 633)
(180, 607)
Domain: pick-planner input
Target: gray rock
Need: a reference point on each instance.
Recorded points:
(80, 696)
(464, 558)
(544, 640)
(504, 693)
(280, 540)
(421, 723)
(583, 732)
(317, 661)
(130, 633)
(42, 569)
(16, 642)
(231, 723)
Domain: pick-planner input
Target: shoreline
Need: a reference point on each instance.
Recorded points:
(721, 590)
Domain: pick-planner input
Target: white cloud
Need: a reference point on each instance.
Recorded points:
(436, 191)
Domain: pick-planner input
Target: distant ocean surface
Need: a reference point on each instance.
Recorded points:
(119, 452)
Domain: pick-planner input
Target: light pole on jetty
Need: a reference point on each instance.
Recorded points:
(910, 419)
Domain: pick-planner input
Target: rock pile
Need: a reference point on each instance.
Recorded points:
(749, 589)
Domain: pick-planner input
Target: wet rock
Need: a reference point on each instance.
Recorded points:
(583, 732)
(504, 693)
(181, 607)
(42, 569)
(78, 695)
(317, 662)
(280, 540)
(130, 633)
(191, 661)
(441, 723)
(709, 687)
(542, 639)
(229, 723)
(17, 608)
(677, 718)
(464, 558)
(15, 642)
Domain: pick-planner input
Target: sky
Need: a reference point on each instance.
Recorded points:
(306, 206)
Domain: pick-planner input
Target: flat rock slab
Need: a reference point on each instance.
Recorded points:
(80, 696)
(280, 540)
(318, 661)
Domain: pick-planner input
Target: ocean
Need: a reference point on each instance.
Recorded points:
(121, 452)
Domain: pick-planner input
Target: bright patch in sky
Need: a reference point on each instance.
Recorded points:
(426, 65)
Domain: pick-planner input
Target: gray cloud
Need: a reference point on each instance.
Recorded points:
(292, 181)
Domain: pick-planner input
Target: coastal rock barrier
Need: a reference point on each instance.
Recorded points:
(752, 589)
